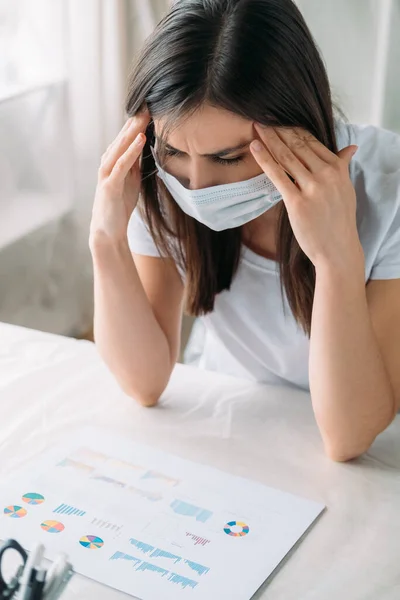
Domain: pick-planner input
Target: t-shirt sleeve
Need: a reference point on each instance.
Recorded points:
(387, 262)
(140, 239)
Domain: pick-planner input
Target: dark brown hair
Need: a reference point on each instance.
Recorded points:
(254, 58)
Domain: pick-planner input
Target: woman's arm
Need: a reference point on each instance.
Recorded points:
(137, 315)
(137, 337)
(352, 391)
(354, 355)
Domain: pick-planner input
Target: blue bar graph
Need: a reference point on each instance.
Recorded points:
(141, 565)
(65, 509)
(141, 545)
(190, 510)
(200, 569)
(122, 556)
(158, 552)
(183, 581)
(145, 566)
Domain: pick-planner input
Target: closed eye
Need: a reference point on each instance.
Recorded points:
(217, 159)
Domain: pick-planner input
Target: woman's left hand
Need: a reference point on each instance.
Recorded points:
(321, 205)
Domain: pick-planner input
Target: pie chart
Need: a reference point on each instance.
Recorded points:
(91, 541)
(236, 528)
(33, 498)
(52, 526)
(15, 512)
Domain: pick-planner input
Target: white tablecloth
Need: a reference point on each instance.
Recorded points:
(51, 385)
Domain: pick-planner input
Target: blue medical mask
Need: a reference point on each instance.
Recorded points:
(223, 206)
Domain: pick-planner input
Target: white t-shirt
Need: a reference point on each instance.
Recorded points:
(251, 333)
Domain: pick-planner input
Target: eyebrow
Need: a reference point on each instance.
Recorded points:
(223, 152)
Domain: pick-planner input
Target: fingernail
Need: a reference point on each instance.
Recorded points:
(256, 146)
(355, 150)
(140, 139)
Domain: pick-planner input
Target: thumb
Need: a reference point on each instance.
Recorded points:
(348, 152)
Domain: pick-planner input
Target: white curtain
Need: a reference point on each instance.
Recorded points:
(63, 73)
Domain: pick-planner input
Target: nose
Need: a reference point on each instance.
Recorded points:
(199, 180)
(196, 177)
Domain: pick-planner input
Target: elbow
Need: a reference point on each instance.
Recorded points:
(340, 454)
(342, 451)
(146, 393)
(147, 398)
(147, 401)
(342, 457)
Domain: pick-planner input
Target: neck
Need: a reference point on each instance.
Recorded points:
(260, 234)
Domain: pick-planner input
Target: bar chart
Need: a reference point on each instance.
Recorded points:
(107, 525)
(65, 509)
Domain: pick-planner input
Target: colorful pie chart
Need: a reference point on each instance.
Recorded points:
(91, 541)
(15, 512)
(237, 524)
(33, 498)
(52, 526)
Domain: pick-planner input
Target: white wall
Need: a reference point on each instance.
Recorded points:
(360, 44)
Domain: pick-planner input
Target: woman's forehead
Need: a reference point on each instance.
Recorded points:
(206, 131)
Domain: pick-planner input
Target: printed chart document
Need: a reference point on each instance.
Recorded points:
(151, 524)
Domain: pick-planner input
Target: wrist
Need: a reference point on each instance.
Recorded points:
(99, 239)
(342, 277)
(346, 265)
(104, 247)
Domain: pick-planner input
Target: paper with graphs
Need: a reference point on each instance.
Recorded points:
(149, 523)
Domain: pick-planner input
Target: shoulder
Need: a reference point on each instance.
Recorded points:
(375, 168)
(378, 148)
(375, 174)
(141, 241)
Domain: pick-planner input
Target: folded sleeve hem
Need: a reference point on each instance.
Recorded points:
(386, 272)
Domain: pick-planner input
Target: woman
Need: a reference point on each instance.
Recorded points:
(255, 216)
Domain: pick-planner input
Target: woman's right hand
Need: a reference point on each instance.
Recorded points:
(118, 183)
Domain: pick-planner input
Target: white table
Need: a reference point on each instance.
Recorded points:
(51, 385)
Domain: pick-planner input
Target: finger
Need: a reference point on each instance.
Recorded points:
(319, 149)
(106, 156)
(128, 159)
(347, 153)
(272, 170)
(126, 136)
(283, 154)
(144, 109)
(138, 125)
(302, 145)
(126, 126)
